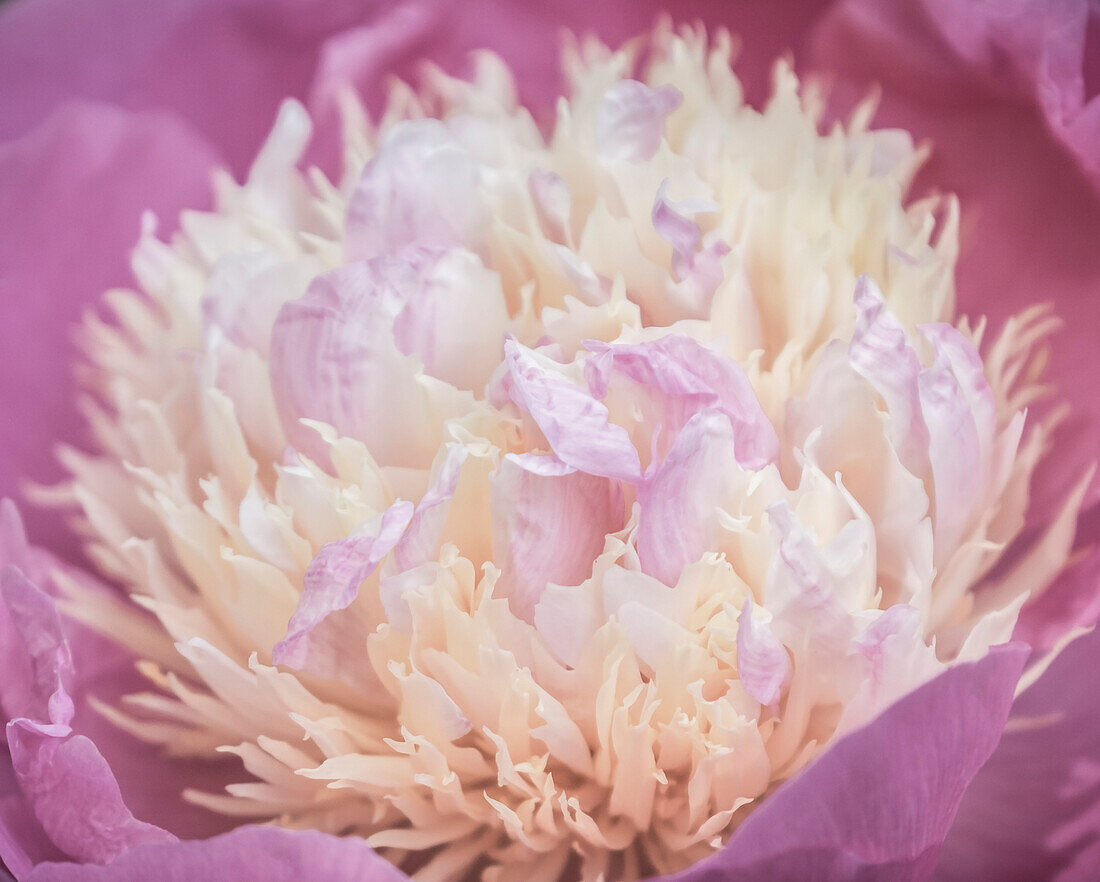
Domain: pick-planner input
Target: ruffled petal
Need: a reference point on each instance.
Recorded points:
(575, 424)
(333, 578)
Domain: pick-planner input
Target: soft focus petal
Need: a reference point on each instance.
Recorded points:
(979, 82)
(71, 198)
(879, 803)
(222, 65)
(630, 119)
(251, 852)
(421, 187)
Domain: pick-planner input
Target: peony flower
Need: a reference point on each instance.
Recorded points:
(670, 479)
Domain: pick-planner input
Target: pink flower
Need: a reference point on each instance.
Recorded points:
(114, 109)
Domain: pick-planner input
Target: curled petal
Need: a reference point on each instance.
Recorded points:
(575, 424)
(37, 661)
(332, 580)
(74, 794)
(762, 663)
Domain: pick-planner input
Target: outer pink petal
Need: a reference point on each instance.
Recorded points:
(878, 804)
(71, 198)
(271, 854)
(74, 795)
(1033, 811)
(222, 65)
(98, 669)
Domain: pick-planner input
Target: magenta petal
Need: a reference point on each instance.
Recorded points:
(333, 577)
(74, 795)
(36, 656)
(1033, 811)
(271, 854)
(71, 197)
(878, 803)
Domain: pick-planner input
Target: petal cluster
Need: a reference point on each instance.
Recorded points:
(534, 503)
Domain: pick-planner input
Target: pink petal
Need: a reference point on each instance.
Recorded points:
(421, 187)
(1032, 812)
(333, 577)
(73, 194)
(333, 359)
(954, 453)
(421, 539)
(762, 663)
(37, 661)
(74, 795)
(273, 854)
(575, 424)
(455, 317)
(549, 524)
(630, 120)
(689, 377)
(879, 803)
(880, 352)
(680, 501)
